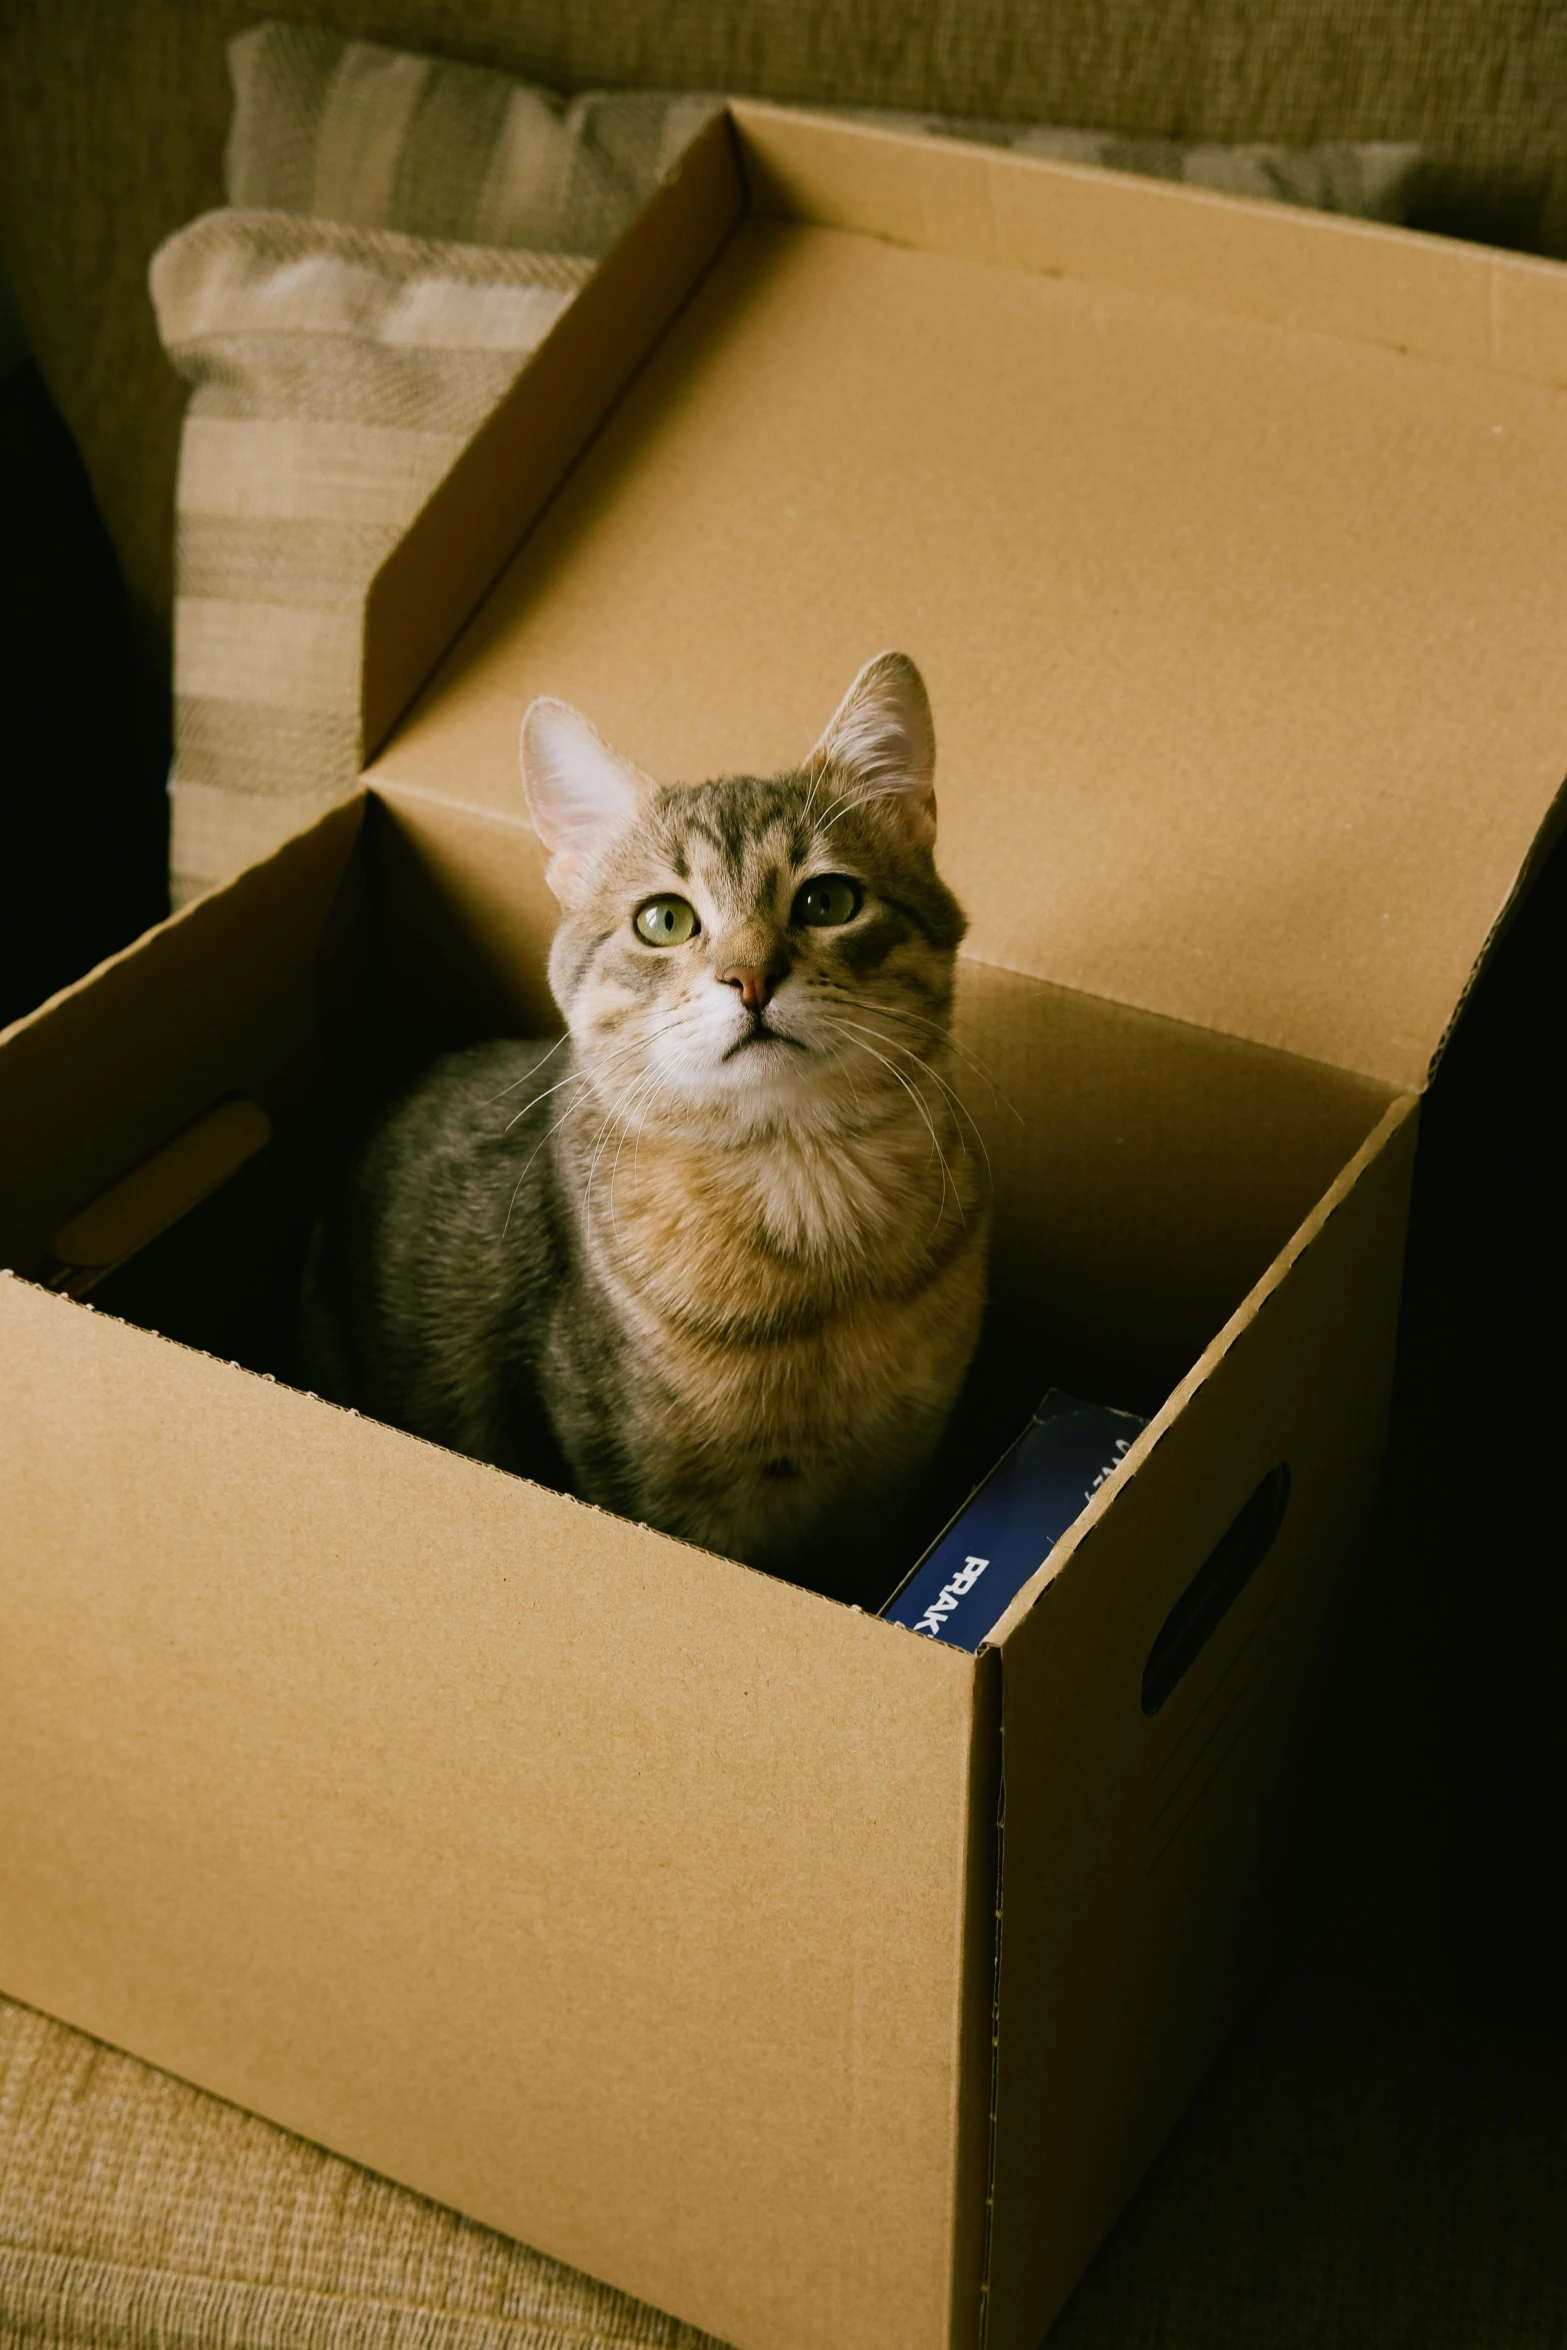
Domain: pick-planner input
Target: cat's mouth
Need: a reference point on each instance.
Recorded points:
(760, 1033)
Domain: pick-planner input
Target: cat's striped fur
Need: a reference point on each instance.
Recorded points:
(724, 1246)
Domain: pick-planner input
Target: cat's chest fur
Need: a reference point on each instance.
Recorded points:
(795, 1318)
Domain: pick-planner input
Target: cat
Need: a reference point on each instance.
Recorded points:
(716, 1259)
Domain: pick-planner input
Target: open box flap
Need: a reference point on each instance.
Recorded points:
(463, 534)
(1242, 632)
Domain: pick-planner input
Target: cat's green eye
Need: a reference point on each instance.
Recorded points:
(666, 922)
(824, 903)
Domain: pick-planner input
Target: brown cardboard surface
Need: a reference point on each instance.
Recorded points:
(436, 573)
(607, 1891)
(1143, 1858)
(224, 998)
(1145, 1172)
(1353, 279)
(162, 1187)
(1222, 618)
(463, 920)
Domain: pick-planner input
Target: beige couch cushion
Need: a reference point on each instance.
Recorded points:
(336, 374)
(139, 2213)
(351, 130)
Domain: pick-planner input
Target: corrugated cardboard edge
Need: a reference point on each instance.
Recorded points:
(194, 910)
(974, 2117)
(1545, 841)
(129, 1113)
(1359, 280)
(1402, 1107)
(990, 2074)
(472, 522)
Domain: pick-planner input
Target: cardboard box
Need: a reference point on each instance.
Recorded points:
(808, 1978)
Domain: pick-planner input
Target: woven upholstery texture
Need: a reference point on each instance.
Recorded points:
(337, 373)
(113, 120)
(137, 2212)
(358, 132)
(382, 137)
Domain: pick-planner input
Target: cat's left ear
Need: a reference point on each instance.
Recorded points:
(882, 742)
(580, 793)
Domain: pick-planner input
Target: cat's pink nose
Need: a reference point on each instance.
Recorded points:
(755, 981)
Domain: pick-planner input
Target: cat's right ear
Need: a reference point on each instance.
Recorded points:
(580, 793)
(882, 745)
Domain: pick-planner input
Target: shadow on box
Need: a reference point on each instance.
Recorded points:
(1145, 1173)
(1459, 1720)
(83, 812)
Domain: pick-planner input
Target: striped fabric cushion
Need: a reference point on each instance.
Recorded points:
(356, 132)
(1375, 179)
(337, 373)
(349, 131)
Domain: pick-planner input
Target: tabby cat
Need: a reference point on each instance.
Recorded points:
(716, 1258)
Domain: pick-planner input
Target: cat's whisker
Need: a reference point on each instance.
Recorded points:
(614, 1120)
(620, 1115)
(614, 1171)
(569, 1111)
(935, 1143)
(823, 769)
(621, 1119)
(943, 1039)
(929, 1068)
(563, 1038)
(596, 1149)
(576, 1077)
(654, 1087)
(528, 1162)
(951, 1092)
(858, 1033)
(573, 1077)
(970, 1059)
(636, 1155)
(981, 1068)
(862, 798)
(624, 1121)
(943, 1030)
(841, 805)
(671, 1026)
(632, 1050)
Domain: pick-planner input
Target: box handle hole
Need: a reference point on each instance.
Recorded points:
(1216, 1586)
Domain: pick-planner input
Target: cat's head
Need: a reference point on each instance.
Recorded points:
(760, 951)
